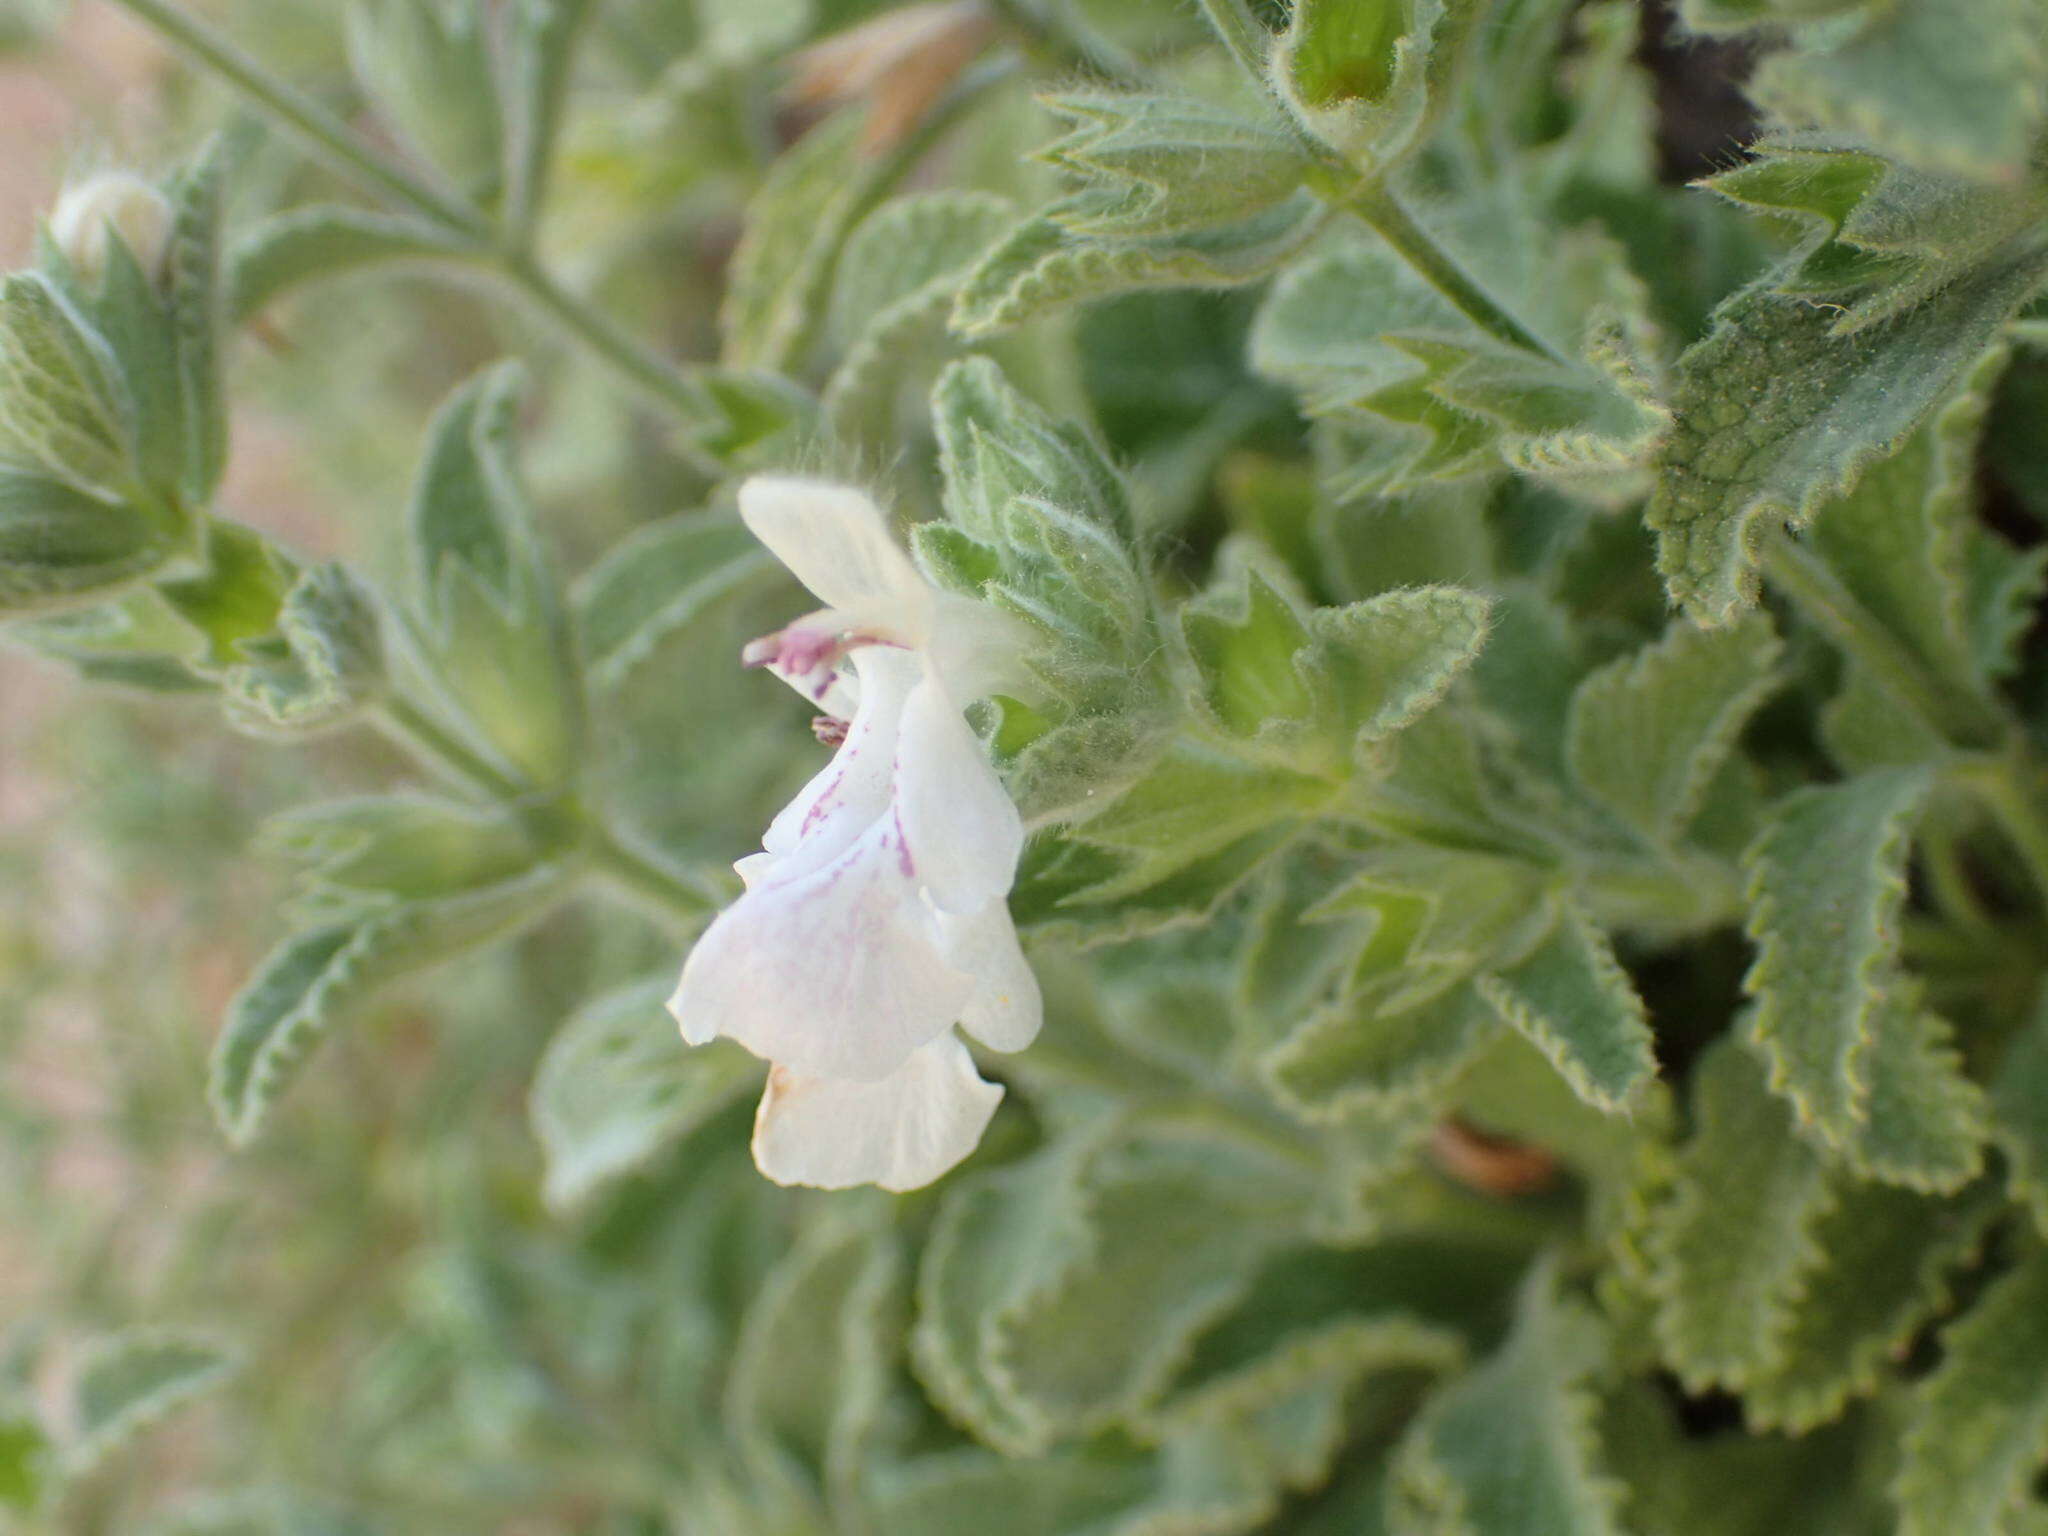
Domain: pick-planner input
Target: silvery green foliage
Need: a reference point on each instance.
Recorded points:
(1530, 736)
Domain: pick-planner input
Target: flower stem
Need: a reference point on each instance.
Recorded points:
(634, 364)
(332, 139)
(322, 130)
(1374, 203)
(436, 747)
(645, 881)
(620, 863)
(1371, 200)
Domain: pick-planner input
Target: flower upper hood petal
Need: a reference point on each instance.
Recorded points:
(837, 542)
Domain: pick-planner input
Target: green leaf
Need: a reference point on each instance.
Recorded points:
(1060, 1294)
(1366, 1056)
(1977, 1430)
(1158, 166)
(1379, 665)
(1927, 1122)
(1776, 413)
(486, 595)
(1191, 803)
(427, 65)
(235, 600)
(1738, 1235)
(1510, 1448)
(130, 1381)
(1886, 1259)
(1879, 236)
(310, 980)
(657, 581)
(891, 294)
(1575, 1003)
(1244, 644)
(811, 1370)
(320, 668)
(192, 267)
(326, 240)
(1827, 876)
(62, 547)
(2020, 1115)
(1371, 346)
(541, 41)
(28, 1461)
(796, 224)
(1042, 267)
(1955, 87)
(1646, 733)
(67, 412)
(378, 851)
(617, 1087)
(997, 448)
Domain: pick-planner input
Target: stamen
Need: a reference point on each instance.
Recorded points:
(830, 729)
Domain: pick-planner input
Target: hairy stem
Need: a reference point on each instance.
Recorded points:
(646, 372)
(1375, 204)
(646, 881)
(327, 135)
(434, 746)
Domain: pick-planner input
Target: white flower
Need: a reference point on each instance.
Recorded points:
(875, 917)
(112, 203)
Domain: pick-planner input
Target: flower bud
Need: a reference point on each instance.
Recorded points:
(111, 203)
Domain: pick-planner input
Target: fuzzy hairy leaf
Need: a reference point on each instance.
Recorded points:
(309, 245)
(892, 292)
(364, 854)
(63, 547)
(1646, 733)
(1358, 1057)
(1165, 166)
(1927, 1122)
(1510, 1449)
(1575, 1003)
(1244, 645)
(1977, 1429)
(1060, 1294)
(487, 598)
(1827, 877)
(321, 666)
(130, 1381)
(1776, 413)
(1738, 1234)
(540, 45)
(655, 582)
(1372, 347)
(1903, 543)
(427, 64)
(1042, 266)
(796, 225)
(617, 1086)
(304, 986)
(1951, 86)
(1380, 664)
(1886, 1260)
(68, 413)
